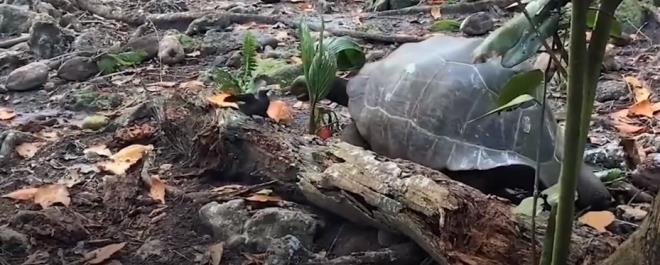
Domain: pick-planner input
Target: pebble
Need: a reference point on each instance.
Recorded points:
(95, 122)
(611, 90)
(477, 24)
(28, 77)
(77, 69)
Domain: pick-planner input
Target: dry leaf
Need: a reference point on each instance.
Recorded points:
(25, 194)
(6, 114)
(51, 136)
(435, 12)
(102, 254)
(157, 189)
(263, 198)
(642, 108)
(597, 220)
(216, 251)
(219, 101)
(28, 150)
(192, 85)
(125, 158)
(100, 150)
(639, 91)
(50, 194)
(629, 128)
(279, 111)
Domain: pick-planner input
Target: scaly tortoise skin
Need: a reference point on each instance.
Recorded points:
(420, 104)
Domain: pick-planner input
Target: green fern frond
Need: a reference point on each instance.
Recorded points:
(249, 58)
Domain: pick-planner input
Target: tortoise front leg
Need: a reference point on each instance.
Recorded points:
(351, 135)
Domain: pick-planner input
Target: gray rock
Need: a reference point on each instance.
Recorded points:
(271, 223)
(285, 250)
(10, 60)
(215, 42)
(226, 220)
(152, 250)
(477, 24)
(47, 40)
(234, 60)
(92, 40)
(610, 155)
(631, 213)
(21, 3)
(266, 40)
(28, 77)
(77, 69)
(148, 43)
(43, 7)
(21, 47)
(611, 90)
(13, 241)
(14, 20)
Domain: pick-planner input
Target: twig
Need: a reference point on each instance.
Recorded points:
(11, 42)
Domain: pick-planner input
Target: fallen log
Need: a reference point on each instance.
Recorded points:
(452, 222)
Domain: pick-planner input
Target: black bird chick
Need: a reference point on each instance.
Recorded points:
(252, 103)
(337, 92)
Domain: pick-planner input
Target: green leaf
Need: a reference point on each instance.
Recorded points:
(615, 29)
(249, 59)
(348, 53)
(187, 42)
(110, 63)
(525, 206)
(225, 80)
(445, 25)
(530, 42)
(321, 75)
(520, 84)
(307, 50)
(511, 104)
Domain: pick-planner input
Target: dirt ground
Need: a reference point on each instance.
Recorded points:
(105, 209)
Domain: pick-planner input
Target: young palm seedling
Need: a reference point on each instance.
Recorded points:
(319, 67)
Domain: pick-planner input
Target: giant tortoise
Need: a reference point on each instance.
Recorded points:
(421, 102)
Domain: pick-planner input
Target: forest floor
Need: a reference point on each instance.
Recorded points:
(162, 109)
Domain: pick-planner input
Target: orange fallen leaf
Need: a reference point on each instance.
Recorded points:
(125, 158)
(219, 101)
(25, 194)
(597, 220)
(102, 254)
(435, 12)
(628, 128)
(28, 150)
(157, 189)
(6, 114)
(100, 150)
(263, 198)
(655, 107)
(216, 251)
(45, 195)
(642, 108)
(50, 194)
(279, 111)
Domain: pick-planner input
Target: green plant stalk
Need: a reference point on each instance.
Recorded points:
(573, 152)
(548, 240)
(596, 51)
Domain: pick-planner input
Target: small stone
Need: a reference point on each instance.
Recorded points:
(234, 60)
(611, 90)
(215, 42)
(77, 69)
(28, 77)
(47, 40)
(285, 250)
(610, 155)
(226, 220)
(95, 122)
(14, 20)
(271, 223)
(267, 41)
(630, 213)
(92, 40)
(152, 250)
(477, 24)
(13, 241)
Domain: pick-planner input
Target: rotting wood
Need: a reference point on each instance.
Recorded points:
(453, 223)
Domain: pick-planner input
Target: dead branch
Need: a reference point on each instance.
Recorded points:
(459, 8)
(11, 42)
(452, 222)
